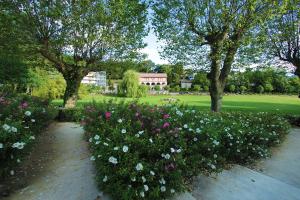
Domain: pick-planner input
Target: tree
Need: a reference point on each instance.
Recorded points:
(220, 27)
(78, 36)
(201, 79)
(284, 36)
(130, 84)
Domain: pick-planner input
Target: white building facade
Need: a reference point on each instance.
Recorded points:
(95, 78)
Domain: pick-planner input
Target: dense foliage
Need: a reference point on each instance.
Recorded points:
(21, 120)
(130, 86)
(150, 152)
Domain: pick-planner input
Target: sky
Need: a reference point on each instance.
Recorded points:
(152, 49)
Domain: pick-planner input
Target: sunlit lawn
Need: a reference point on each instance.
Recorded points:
(281, 104)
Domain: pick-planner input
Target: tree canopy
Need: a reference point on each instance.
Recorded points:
(219, 28)
(77, 36)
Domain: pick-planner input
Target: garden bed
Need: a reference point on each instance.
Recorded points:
(22, 118)
(151, 152)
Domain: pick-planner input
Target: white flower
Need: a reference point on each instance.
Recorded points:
(32, 137)
(12, 172)
(172, 150)
(97, 142)
(28, 113)
(116, 148)
(178, 150)
(137, 135)
(163, 188)
(91, 140)
(152, 173)
(97, 137)
(18, 160)
(32, 120)
(150, 140)
(120, 120)
(1, 146)
(172, 191)
(142, 194)
(213, 166)
(216, 142)
(105, 144)
(141, 132)
(104, 179)
(14, 129)
(144, 179)
(123, 130)
(139, 167)
(113, 160)
(167, 156)
(133, 179)
(125, 148)
(162, 181)
(92, 158)
(198, 130)
(185, 126)
(146, 188)
(18, 145)
(6, 127)
(195, 139)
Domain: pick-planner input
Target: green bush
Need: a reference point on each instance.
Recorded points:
(243, 89)
(156, 88)
(205, 89)
(268, 87)
(21, 119)
(143, 90)
(197, 88)
(150, 152)
(232, 88)
(260, 89)
(167, 88)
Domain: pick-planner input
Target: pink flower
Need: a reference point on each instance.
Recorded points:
(166, 116)
(166, 125)
(137, 114)
(107, 115)
(24, 105)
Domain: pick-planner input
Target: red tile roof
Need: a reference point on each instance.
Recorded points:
(153, 75)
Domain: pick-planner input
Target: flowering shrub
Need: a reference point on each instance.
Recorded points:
(21, 119)
(150, 152)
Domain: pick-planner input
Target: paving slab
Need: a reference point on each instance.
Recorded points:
(241, 183)
(284, 164)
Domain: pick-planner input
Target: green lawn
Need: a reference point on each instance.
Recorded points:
(281, 104)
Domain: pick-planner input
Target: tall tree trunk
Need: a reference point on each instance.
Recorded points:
(297, 72)
(216, 96)
(73, 80)
(215, 90)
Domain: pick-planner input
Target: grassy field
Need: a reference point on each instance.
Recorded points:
(281, 104)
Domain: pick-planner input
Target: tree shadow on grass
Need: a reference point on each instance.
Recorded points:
(250, 106)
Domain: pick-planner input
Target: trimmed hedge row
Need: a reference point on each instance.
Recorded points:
(151, 152)
(21, 120)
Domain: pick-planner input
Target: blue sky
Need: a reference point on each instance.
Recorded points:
(153, 48)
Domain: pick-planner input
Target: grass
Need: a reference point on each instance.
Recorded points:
(279, 104)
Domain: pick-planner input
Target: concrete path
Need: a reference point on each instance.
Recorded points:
(69, 175)
(277, 178)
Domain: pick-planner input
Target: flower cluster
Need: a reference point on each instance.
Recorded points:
(149, 152)
(21, 119)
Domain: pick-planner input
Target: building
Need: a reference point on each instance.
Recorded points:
(153, 79)
(184, 83)
(95, 78)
